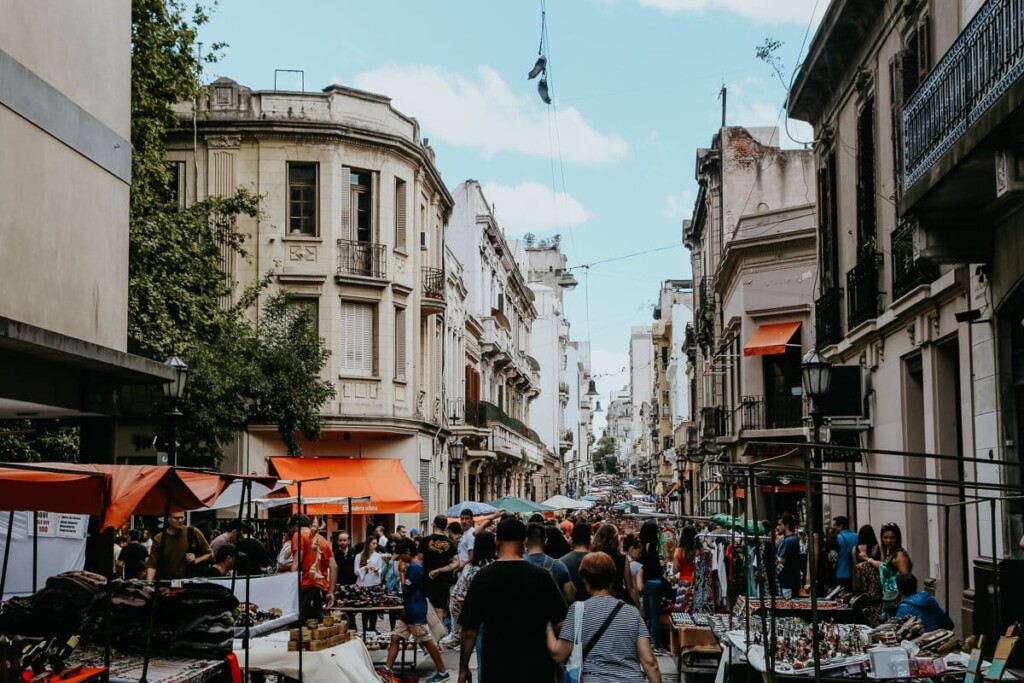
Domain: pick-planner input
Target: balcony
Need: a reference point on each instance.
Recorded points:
(497, 343)
(565, 441)
(361, 260)
(772, 412)
(906, 274)
(828, 324)
(863, 299)
(432, 288)
(981, 66)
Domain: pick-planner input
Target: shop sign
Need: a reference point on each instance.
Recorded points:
(71, 526)
(45, 525)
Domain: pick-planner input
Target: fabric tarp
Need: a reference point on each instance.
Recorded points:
(347, 663)
(514, 504)
(566, 503)
(770, 340)
(111, 492)
(384, 480)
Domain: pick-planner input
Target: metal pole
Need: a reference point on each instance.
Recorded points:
(7, 551)
(997, 593)
(35, 550)
(946, 560)
(156, 579)
(247, 488)
(298, 574)
(816, 418)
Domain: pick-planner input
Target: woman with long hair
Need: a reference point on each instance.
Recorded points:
(623, 653)
(369, 569)
(606, 540)
(867, 546)
(485, 551)
(652, 578)
(555, 544)
(895, 561)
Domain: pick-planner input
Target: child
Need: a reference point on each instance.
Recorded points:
(412, 624)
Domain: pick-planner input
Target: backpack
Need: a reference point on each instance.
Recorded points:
(549, 564)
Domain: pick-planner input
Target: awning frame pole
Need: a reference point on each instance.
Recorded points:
(7, 551)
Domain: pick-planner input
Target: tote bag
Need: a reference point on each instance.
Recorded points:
(574, 667)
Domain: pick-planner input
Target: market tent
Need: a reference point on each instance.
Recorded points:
(516, 504)
(111, 492)
(231, 496)
(382, 479)
(566, 503)
(475, 507)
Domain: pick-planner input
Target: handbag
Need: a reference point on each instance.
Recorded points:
(574, 667)
(578, 626)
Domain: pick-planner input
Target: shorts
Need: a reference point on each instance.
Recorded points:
(437, 593)
(417, 633)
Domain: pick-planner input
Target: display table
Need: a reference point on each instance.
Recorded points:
(127, 668)
(346, 663)
(283, 621)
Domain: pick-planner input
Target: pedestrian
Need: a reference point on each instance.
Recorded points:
(391, 575)
(514, 602)
(252, 554)
(180, 551)
(412, 624)
(369, 568)
(920, 604)
(536, 535)
(652, 578)
(555, 543)
(345, 558)
(133, 556)
(631, 546)
(382, 537)
(147, 540)
(606, 540)
(401, 532)
(895, 561)
(581, 538)
(788, 557)
(230, 535)
(485, 550)
(313, 557)
(617, 645)
(223, 562)
(868, 547)
(846, 541)
(284, 556)
(435, 553)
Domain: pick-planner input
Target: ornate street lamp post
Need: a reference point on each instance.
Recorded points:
(173, 392)
(456, 452)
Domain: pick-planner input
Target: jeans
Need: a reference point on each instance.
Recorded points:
(652, 607)
(479, 654)
(456, 607)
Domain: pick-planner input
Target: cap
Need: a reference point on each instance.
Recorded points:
(414, 532)
(511, 529)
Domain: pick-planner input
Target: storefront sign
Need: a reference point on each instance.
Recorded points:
(45, 524)
(71, 526)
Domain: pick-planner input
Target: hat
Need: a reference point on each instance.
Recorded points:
(511, 529)
(414, 532)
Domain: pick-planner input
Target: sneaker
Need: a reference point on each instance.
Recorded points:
(387, 675)
(436, 678)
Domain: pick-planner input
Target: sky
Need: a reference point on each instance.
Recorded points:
(609, 165)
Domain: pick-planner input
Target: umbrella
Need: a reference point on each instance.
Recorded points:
(514, 504)
(474, 506)
(566, 503)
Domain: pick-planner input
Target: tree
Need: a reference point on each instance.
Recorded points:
(239, 371)
(604, 456)
(39, 441)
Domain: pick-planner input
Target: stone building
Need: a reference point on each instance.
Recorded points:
(643, 431)
(671, 316)
(752, 243)
(922, 266)
(354, 228)
(508, 454)
(65, 172)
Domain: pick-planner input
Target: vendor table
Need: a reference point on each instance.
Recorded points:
(283, 621)
(346, 663)
(127, 668)
(389, 609)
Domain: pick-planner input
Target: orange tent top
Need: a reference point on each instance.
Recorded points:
(382, 479)
(111, 492)
(771, 339)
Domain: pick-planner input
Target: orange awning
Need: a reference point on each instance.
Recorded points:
(672, 490)
(382, 479)
(770, 339)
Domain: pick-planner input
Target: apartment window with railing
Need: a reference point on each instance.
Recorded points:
(357, 340)
(361, 197)
(828, 220)
(302, 198)
(401, 211)
(866, 218)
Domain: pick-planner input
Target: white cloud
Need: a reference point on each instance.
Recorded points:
(795, 11)
(533, 207)
(678, 206)
(484, 112)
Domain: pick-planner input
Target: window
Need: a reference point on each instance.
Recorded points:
(400, 354)
(866, 178)
(176, 186)
(917, 61)
(357, 324)
(361, 189)
(309, 307)
(302, 199)
(828, 221)
(401, 208)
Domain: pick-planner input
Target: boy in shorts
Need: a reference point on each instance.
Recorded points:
(412, 623)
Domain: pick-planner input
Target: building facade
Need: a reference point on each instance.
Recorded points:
(353, 227)
(921, 271)
(65, 175)
(498, 396)
(752, 247)
(671, 316)
(641, 446)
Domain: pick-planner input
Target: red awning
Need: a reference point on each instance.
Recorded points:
(771, 339)
(382, 479)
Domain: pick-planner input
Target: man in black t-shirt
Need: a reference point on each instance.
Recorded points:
(580, 547)
(133, 556)
(513, 601)
(436, 551)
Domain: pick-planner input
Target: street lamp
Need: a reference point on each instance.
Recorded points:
(456, 452)
(173, 391)
(817, 377)
(547, 483)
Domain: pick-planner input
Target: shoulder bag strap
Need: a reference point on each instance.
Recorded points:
(600, 632)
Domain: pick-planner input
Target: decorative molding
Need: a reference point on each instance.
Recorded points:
(224, 141)
(303, 253)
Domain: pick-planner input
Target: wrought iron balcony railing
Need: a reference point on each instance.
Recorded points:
(365, 259)
(433, 283)
(980, 66)
(862, 294)
(905, 273)
(492, 413)
(828, 326)
(772, 412)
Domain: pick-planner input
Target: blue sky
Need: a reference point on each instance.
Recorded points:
(609, 166)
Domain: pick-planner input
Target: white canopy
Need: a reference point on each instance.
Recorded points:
(566, 503)
(291, 500)
(232, 494)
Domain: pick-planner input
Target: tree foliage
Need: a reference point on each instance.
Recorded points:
(38, 441)
(181, 301)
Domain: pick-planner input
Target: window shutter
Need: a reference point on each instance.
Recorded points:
(924, 49)
(401, 211)
(346, 203)
(896, 100)
(425, 488)
(357, 339)
(400, 354)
